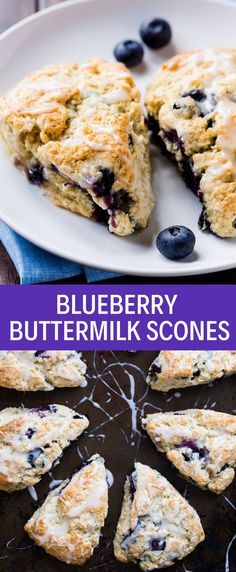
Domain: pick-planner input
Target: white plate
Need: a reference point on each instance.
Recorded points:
(76, 31)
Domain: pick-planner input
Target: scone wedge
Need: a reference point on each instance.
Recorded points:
(41, 370)
(69, 522)
(31, 440)
(191, 104)
(177, 369)
(157, 526)
(200, 443)
(79, 131)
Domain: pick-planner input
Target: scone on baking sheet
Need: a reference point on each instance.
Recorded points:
(200, 443)
(41, 370)
(157, 526)
(176, 369)
(191, 104)
(69, 522)
(32, 439)
(79, 131)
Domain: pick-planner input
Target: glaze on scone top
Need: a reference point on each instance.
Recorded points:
(192, 108)
(32, 439)
(200, 443)
(175, 369)
(69, 522)
(41, 370)
(157, 526)
(80, 132)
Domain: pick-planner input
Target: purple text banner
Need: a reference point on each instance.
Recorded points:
(117, 317)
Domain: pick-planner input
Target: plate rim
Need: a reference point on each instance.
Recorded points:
(113, 267)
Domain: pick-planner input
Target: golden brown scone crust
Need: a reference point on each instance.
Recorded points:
(32, 439)
(69, 522)
(41, 371)
(176, 369)
(157, 526)
(85, 126)
(200, 443)
(198, 128)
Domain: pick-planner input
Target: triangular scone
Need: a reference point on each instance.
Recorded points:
(32, 439)
(200, 443)
(157, 526)
(175, 369)
(41, 370)
(191, 104)
(69, 522)
(79, 131)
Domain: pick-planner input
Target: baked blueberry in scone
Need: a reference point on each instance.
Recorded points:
(173, 369)
(157, 526)
(191, 104)
(79, 132)
(41, 370)
(32, 439)
(69, 522)
(201, 444)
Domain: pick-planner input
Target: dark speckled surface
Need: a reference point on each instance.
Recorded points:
(114, 399)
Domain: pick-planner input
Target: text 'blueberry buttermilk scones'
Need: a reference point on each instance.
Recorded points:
(192, 109)
(32, 439)
(173, 369)
(41, 370)
(79, 131)
(69, 522)
(201, 444)
(157, 526)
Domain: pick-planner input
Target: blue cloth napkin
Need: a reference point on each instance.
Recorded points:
(36, 265)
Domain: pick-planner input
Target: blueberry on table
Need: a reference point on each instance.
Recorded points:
(176, 242)
(156, 33)
(129, 52)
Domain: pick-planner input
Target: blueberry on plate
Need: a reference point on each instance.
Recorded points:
(175, 242)
(156, 34)
(129, 52)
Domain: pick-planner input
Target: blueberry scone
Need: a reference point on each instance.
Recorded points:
(69, 522)
(175, 369)
(201, 444)
(79, 131)
(191, 104)
(32, 439)
(41, 370)
(157, 526)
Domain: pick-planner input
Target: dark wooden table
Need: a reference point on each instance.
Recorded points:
(10, 12)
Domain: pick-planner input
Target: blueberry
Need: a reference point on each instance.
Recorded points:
(121, 201)
(129, 52)
(155, 369)
(35, 174)
(38, 353)
(224, 467)
(156, 34)
(103, 185)
(43, 408)
(196, 373)
(30, 432)
(194, 447)
(132, 485)
(176, 242)
(195, 94)
(203, 221)
(158, 543)
(33, 456)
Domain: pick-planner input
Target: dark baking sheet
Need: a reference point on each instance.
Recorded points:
(114, 399)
